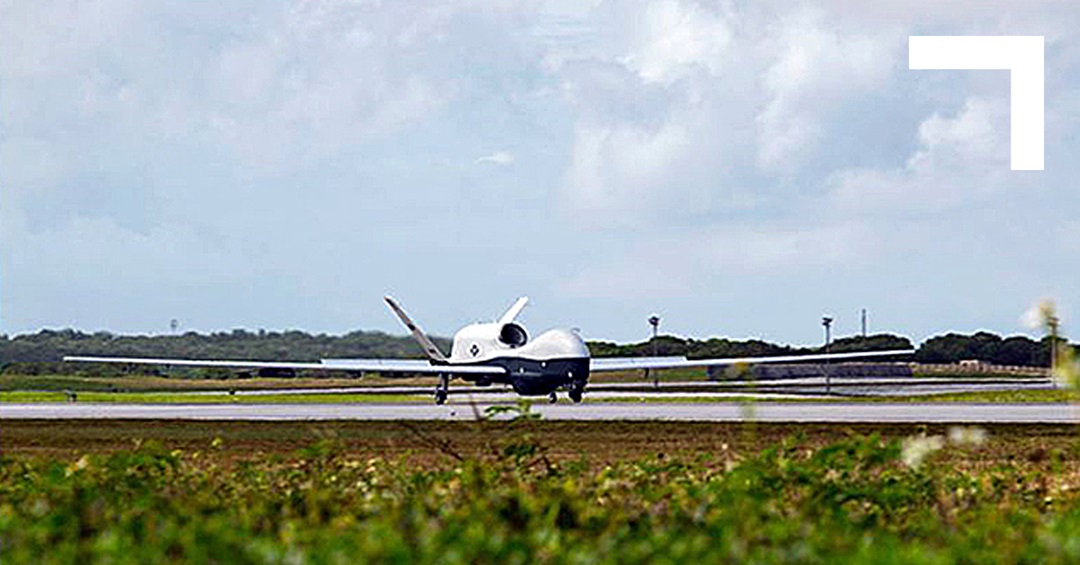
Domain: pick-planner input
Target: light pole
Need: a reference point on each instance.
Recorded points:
(1052, 321)
(827, 322)
(654, 321)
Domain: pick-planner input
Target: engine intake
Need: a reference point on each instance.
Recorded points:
(513, 335)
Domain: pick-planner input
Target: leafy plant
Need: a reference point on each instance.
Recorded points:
(852, 501)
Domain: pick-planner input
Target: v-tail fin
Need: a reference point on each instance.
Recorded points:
(514, 310)
(432, 352)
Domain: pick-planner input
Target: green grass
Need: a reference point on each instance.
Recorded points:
(182, 398)
(854, 500)
(998, 396)
(145, 383)
(305, 398)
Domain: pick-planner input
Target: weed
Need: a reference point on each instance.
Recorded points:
(853, 500)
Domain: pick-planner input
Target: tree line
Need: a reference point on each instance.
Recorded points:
(41, 352)
(949, 348)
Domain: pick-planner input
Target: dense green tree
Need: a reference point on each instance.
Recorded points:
(877, 342)
(986, 347)
(41, 352)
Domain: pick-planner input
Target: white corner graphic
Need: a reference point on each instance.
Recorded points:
(1022, 56)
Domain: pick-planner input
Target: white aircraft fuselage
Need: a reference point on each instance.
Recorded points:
(555, 359)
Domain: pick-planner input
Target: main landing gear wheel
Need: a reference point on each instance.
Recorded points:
(575, 395)
(552, 399)
(442, 389)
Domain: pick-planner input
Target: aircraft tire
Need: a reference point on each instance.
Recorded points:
(440, 397)
(552, 398)
(575, 395)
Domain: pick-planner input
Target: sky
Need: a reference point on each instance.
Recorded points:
(739, 168)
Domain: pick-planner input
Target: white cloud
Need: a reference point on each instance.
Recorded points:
(676, 38)
(622, 169)
(322, 76)
(681, 127)
(656, 106)
(497, 158)
(959, 159)
(816, 70)
(969, 136)
(687, 263)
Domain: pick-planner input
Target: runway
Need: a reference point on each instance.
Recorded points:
(813, 387)
(796, 412)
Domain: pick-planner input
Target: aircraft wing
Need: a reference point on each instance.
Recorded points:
(604, 364)
(370, 365)
(407, 366)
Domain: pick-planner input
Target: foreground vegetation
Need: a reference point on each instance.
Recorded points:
(862, 494)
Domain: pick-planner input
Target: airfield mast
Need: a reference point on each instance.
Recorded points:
(654, 321)
(827, 322)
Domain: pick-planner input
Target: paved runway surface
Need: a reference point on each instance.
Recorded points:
(853, 386)
(688, 411)
(776, 388)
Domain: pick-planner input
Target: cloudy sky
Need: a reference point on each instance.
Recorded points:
(739, 168)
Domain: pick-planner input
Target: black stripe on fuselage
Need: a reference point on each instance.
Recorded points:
(533, 377)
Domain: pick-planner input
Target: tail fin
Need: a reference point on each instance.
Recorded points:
(514, 310)
(432, 352)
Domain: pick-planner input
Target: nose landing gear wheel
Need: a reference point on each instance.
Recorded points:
(552, 399)
(440, 396)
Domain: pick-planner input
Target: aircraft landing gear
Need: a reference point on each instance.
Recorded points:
(552, 398)
(442, 389)
(575, 395)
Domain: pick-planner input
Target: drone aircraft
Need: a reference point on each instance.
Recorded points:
(498, 352)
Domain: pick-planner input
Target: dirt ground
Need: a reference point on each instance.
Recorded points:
(445, 442)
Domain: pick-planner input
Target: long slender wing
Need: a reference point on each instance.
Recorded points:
(408, 366)
(224, 364)
(371, 365)
(604, 364)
